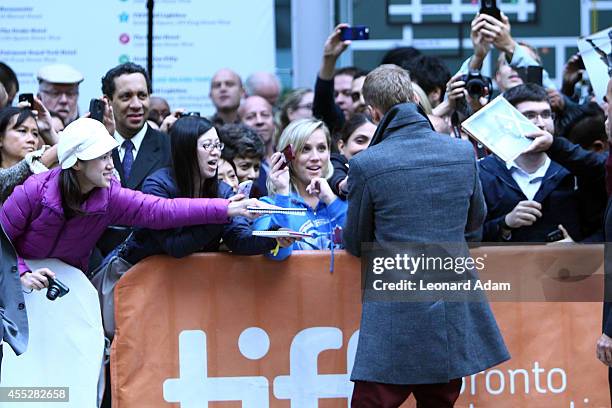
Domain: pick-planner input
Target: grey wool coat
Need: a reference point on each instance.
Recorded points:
(414, 185)
(14, 327)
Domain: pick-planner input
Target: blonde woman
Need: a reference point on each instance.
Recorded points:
(303, 184)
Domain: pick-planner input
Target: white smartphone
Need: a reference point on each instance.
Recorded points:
(245, 188)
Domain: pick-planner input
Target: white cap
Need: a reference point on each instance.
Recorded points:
(83, 139)
(59, 74)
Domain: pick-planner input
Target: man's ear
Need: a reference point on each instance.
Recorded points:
(376, 114)
(77, 166)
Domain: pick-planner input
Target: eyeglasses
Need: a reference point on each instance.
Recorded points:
(545, 115)
(57, 94)
(211, 146)
(305, 106)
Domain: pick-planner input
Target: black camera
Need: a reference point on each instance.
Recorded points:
(56, 288)
(184, 114)
(476, 83)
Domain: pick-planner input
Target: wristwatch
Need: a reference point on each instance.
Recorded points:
(505, 229)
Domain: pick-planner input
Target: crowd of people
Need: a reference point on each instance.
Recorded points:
(148, 179)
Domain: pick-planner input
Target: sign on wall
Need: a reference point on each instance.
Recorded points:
(192, 39)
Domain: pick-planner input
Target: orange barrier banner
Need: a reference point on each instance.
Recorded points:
(220, 330)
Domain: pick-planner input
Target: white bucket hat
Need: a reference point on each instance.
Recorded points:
(83, 139)
(59, 74)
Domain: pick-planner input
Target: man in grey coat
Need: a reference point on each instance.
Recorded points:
(14, 327)
(413, 185)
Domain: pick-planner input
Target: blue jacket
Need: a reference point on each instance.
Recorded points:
(321, 221)
(180, 242)
(559, 194)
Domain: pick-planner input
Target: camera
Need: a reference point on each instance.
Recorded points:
(56, 288)
(184, 114)
(476, 83)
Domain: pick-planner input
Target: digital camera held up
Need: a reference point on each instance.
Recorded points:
(56, 289)
(476, 83)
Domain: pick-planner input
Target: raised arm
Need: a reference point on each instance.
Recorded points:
(324, 106)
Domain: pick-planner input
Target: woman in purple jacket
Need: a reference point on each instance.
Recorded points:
(62, 213)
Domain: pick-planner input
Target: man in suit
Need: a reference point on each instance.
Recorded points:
(413, 185)
(594, 165)
(142, 150)
(14, 327)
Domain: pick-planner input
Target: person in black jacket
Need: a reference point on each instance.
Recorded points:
(196, 151)
(530, 197)
(333, 100)
(582, 161)
(355, 137)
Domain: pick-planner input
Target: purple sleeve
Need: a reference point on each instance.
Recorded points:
(133, 208)
(21, 266)
(17, 209)
(16, 212)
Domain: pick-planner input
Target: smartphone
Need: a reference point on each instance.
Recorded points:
(531, 74)
(287, 155)
(359, 32)
(245, 188)
(96, 110)
(490, 7)
(184, 114)
(27, 97)
(556, 235)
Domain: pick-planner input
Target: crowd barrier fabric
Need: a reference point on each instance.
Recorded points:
(66, 343)
(227, 331)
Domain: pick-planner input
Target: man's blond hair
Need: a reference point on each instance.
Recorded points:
(387, 86)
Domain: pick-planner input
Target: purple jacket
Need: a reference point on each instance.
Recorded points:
(33, 217)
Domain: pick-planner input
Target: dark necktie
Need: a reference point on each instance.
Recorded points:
(128, 158)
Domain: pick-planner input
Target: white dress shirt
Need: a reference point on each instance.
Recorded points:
(137, 140)
(528, 183)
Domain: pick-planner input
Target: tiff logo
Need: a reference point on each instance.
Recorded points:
(303, 386)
